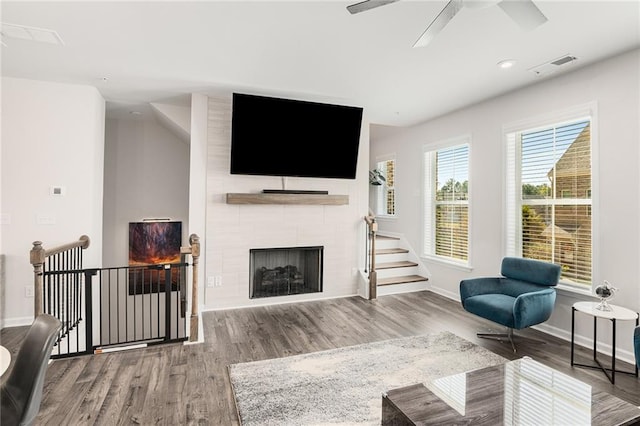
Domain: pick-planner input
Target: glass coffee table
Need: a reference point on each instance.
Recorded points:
(523, 391)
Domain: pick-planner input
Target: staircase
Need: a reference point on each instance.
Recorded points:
(399, 270)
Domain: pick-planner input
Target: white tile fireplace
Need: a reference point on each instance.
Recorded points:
(233, 230)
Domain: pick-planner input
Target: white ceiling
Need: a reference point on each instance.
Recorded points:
(314, 50)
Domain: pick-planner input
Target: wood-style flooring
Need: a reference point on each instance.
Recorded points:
(188, 384)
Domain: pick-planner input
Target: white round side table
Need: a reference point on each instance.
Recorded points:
(617, 313)
(5, 359)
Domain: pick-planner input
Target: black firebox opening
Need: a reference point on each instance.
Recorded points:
(285, 271)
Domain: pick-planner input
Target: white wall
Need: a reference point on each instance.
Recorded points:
(614, 86)
(232, 230)
(198, 190)
(52, 134)
(146, 175)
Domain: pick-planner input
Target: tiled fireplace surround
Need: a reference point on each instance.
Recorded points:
(233, 230)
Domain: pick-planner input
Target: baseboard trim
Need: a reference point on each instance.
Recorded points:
(16, 322)
(586, 342)
(445, 293)
(286, 302)
(603, 348)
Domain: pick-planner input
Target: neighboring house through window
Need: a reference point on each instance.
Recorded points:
(446, 201)
(549, 187)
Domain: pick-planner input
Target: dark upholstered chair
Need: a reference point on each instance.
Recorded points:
(21, 388)
(636, 344)
(523, 296)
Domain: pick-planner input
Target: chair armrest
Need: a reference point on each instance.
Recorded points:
(477, 286)
(533, 307)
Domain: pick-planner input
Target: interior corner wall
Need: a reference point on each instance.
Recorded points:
(146, 175)
(52, 135)
(614, 86)
(198, 188)
(232, 230)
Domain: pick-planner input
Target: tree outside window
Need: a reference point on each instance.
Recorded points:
(554, 200)
(447, 202)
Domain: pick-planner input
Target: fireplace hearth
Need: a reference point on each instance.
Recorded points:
(285, 271)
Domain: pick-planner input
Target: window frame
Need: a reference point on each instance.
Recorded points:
(429, 202)
(381, 190)
(512, 206)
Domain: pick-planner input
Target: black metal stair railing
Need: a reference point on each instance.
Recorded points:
(141, 304)
(370, 250)
(106, 307)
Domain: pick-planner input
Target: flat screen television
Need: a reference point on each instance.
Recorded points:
(283, 137)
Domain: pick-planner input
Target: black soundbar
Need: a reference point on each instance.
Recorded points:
(293, 191)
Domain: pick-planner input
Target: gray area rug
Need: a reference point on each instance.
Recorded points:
(344, 386)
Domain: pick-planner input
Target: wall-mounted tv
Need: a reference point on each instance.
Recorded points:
(283, 137)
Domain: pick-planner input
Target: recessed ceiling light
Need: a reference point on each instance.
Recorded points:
(507, 63)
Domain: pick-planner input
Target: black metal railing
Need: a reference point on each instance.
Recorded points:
(62, 289)
(141, 304)
(64, 298)
(370, 253)
(105, 307)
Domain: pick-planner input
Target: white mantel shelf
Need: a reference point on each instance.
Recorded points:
(308, 199)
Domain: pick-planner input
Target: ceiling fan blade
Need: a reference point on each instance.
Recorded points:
(439, 23)
(524, 12)
(367, 4)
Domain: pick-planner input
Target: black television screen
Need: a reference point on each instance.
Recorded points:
(283, 137)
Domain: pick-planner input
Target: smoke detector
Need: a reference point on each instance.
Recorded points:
(554, 65)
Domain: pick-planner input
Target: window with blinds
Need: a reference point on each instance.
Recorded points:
(386, 197)
(551, 183)
(446, 187)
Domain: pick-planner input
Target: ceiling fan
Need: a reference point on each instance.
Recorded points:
(523, 12)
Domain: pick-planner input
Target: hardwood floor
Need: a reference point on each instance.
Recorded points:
(188, 384)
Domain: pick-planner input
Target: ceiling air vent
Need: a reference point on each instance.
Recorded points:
(553, 66)
(29, 33)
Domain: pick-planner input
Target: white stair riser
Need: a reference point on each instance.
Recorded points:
(384, 244)
(384, 258)
(402, 288)
(397, 272)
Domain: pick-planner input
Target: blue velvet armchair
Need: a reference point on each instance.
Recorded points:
(636, 344)
(523, 296)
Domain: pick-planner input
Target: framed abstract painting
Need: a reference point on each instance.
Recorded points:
(152, 244)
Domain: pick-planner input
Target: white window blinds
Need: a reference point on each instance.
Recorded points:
(446, 189)
(549, 195)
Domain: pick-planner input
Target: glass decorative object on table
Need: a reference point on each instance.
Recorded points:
(605, 292)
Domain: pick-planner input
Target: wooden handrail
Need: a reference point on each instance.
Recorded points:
(38, 255)
(82, 242)
(194, 251)
(372, 229)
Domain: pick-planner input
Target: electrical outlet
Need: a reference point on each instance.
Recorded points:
(218, 281)
(28, 291)
(45, 219)
(211, 282)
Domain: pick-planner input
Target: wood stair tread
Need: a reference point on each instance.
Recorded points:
(399, 264)
(391, 251)
(401, 280)
(384, 237)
